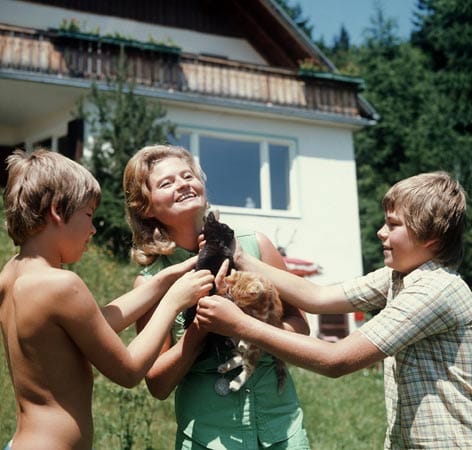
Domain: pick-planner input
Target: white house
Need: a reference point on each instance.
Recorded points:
(275, 141)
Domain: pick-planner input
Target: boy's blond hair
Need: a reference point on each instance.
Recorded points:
(38, 180)
(434, 208)
(150, 237)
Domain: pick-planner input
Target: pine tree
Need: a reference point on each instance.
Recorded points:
(398, 95)
(295, 12)
(444, 35)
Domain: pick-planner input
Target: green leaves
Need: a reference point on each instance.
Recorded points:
(422, 91)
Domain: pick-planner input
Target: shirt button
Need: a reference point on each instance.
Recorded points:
(248, 390)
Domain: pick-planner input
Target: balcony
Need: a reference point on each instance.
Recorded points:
(68, 57)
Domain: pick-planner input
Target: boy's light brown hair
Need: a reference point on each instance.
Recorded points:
(150, 237)
(434, 208)
(38, 180)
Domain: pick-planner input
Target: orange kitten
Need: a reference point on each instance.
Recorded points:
(257, 297)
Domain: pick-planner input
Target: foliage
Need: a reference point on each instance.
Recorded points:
(120, 123)
(422, 93)
(444, 34)
(71, 25)
(7, 410)
(381, 151)
(295, 12)
(311, 64)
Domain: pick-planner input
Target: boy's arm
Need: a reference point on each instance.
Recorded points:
(174, 361)
(293, 318)
(296, 290)
(219, 315)
(79, 315)
(127, 309)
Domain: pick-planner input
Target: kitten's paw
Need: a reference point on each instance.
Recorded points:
(242, 346)
(234, 386)
(223, 368)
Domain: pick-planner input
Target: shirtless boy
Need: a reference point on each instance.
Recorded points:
(53, 330)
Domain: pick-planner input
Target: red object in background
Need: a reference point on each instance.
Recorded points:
(359, 316)
(301, 267)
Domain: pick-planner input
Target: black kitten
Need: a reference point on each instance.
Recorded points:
(218, 247)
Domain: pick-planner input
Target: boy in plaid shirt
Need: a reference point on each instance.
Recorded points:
(423, 331)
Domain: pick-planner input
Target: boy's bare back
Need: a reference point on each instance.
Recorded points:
(52, 379)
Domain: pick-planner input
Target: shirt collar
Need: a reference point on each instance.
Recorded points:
(407, 278)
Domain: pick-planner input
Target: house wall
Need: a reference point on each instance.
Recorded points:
(38, 16)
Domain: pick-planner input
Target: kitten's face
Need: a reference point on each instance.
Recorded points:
(246, 287)
(215, 231)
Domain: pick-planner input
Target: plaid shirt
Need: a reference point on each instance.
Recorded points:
(425, 326)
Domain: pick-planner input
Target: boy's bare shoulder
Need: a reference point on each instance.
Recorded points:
(49, 281)
(48, 292)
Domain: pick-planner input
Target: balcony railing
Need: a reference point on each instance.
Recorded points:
(75, 57)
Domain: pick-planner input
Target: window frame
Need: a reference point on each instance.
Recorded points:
(264, 142)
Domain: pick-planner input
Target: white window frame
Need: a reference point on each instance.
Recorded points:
(264, 173)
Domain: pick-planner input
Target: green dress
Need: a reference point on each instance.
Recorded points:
(255, 414)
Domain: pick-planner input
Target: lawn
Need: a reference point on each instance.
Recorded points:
(342, 414)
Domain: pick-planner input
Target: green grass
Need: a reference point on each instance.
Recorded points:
(346, 413)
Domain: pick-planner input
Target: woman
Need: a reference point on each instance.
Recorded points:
(166, 204)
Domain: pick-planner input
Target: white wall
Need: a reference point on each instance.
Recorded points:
(32, 15)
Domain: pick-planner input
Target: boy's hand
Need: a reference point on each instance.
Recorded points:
(220, 284)
(237, 253)
(191, 286)
(183, 267)
(219, 315)
(201, 241)
(170, 274)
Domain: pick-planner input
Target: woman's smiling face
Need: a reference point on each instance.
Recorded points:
(175, 190)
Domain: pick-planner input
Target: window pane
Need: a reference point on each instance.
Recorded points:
(233, 171)
(181, 139)
(279, 176)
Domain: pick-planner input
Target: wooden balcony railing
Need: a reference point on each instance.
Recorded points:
(64, 56)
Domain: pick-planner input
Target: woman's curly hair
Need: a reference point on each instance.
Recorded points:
(150, 237)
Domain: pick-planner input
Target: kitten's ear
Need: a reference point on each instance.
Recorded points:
(256, 287)
(210, 218)
(230, 279)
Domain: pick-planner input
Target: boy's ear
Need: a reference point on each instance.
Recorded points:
(429, 244)
(54, 214)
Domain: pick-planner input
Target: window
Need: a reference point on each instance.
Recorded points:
(252, 173)
(232, 169)
(279, 163)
